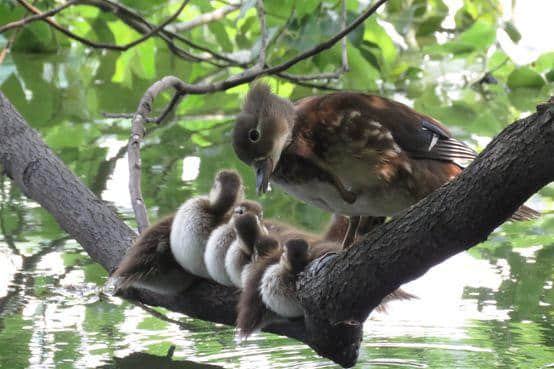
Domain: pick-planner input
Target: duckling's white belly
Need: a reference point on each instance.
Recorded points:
(190, 231)
(368, 202)
(277, 295)
(216, 249)
(235, 261)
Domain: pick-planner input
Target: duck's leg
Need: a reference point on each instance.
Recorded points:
(350, 235)
(367, 224)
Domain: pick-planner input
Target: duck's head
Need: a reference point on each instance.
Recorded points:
(249, 228)
(295, 255)
(263, 129)
(226, 190)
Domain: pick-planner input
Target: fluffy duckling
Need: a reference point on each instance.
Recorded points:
(150, 264)
(249, 230)
(221, 239)
(252, 313)
(198, 217)
(278, 284)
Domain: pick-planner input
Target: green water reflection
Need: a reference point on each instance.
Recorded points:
(490, 308)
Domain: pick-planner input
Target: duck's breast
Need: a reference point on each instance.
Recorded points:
(190, 231)
(214, 257)
(235, 260)
(278, 292)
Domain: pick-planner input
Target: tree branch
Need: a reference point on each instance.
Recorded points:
(250, 74)
(100, 45)
(337, 291)
(38, 16)
(298, 79)
(204, 18)
(263, 38)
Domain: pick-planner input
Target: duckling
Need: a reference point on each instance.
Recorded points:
(150, 264)
(248, 228)
(221, 239)
(278, 284)
(252, 313)
(198, 217)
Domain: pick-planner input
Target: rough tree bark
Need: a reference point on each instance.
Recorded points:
(338, 291)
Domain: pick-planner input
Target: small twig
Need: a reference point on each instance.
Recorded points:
(203, 19)
(311, 77)
(292, 78)
(345, 67)
(174, 101)
(263, 38)
(99, 45)
(37, 17)
(8, 46)
(137, 134)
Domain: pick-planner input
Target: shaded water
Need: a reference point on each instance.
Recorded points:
(489, 308)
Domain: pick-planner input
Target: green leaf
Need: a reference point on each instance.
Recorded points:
(478, 38)
(525, 77)
(512, 31)
(36, 37)
(221, 36)
(65, 135)
(429, 26)
(376, 34)
(544, 62)
(362, 75)
(307, 7)
(245, 7)
(550, 76)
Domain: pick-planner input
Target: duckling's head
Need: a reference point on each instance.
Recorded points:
(248, 206)
(295, 255)
(263, 129)
(226, 190)
(264, 246)
(248, 228)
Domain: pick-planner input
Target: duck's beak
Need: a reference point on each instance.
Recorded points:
(263, 168)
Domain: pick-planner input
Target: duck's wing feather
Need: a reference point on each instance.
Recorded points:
(356, 121)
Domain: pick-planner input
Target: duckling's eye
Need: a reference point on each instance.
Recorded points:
(239, 210)
(254, 135)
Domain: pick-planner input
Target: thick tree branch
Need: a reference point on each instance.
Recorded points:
(337, 291)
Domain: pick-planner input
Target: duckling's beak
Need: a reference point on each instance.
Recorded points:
(263, 168)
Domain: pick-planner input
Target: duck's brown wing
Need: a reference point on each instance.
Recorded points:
(374, 128)
(362, 122)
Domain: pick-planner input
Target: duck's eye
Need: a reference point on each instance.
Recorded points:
(239, 210)
(254, 135)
